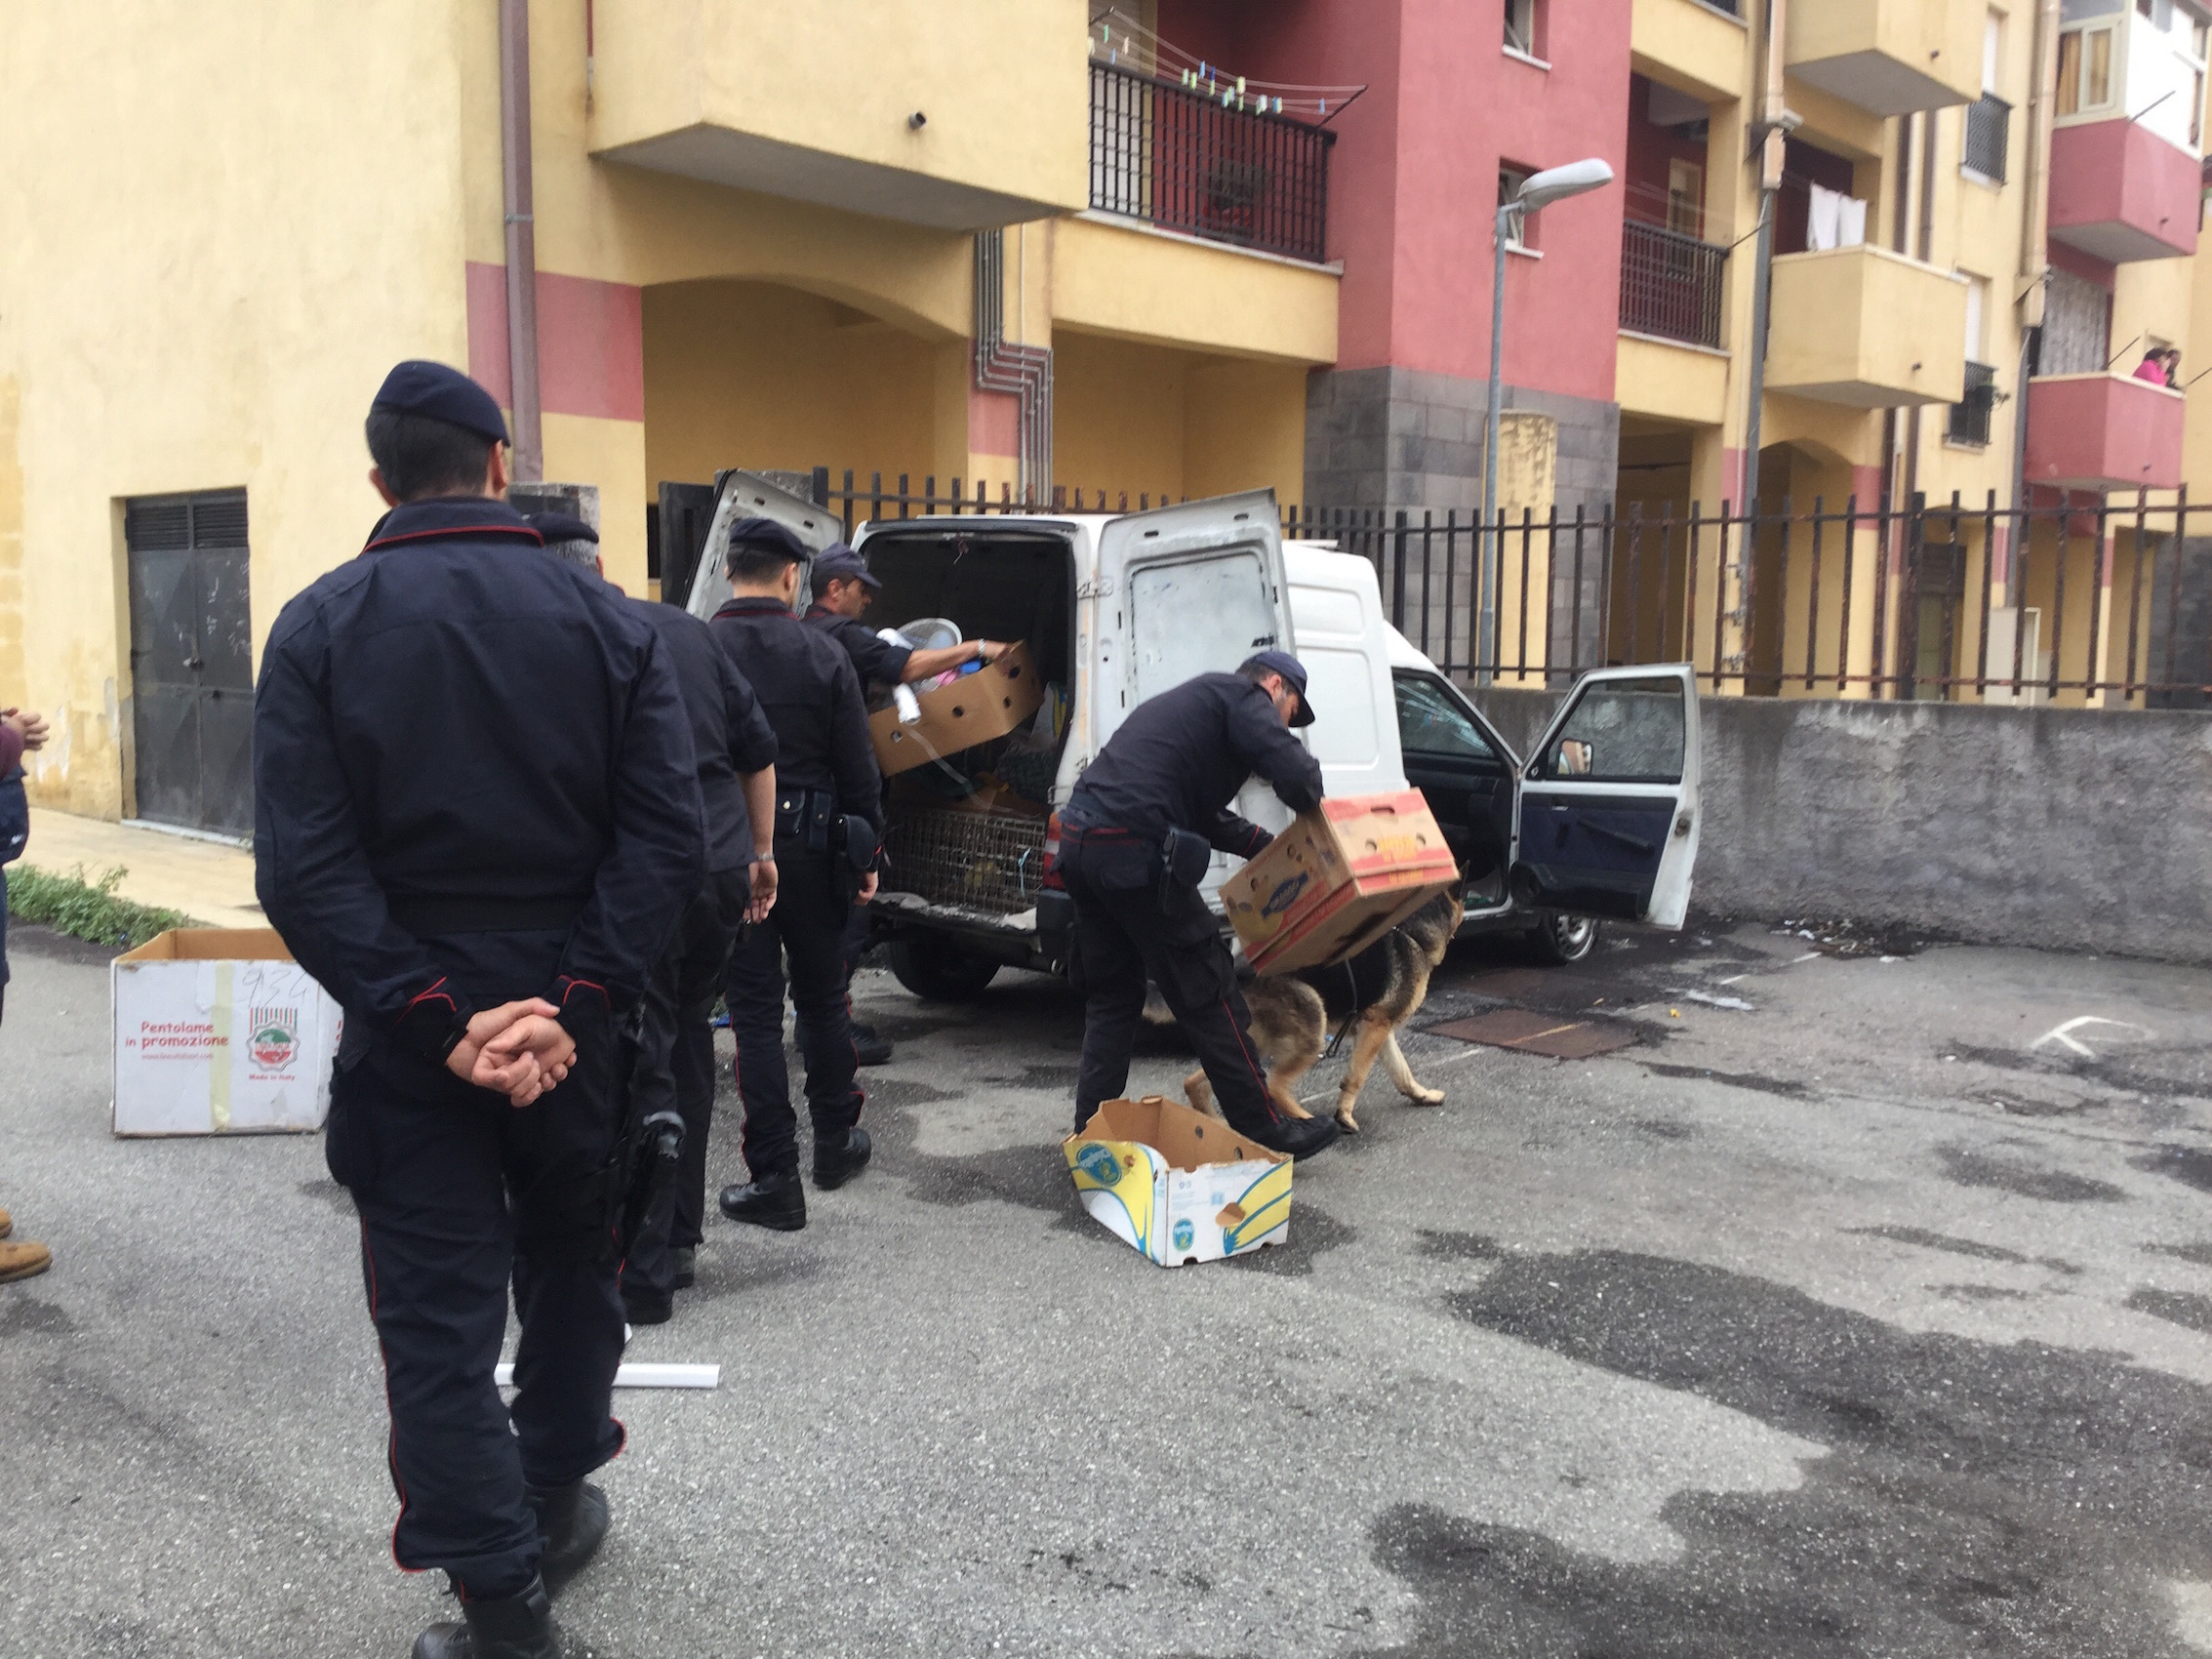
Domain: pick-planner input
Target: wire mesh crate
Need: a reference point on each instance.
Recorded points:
(986, 861)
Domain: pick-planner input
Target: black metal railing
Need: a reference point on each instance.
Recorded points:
(1180, 159)
(1970, 414)
(1776, 601)
(1988, 136)
(1670, 284)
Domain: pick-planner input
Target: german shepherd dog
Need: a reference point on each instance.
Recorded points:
(1372, 993)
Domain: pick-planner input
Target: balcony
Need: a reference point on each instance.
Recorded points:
(2122, 194)
(1670, 284)
(2104, 431)
(1170, 155)
(915, 117)
(1865, 327)
(1889, 56)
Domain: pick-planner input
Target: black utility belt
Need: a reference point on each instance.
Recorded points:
(809, 820)
(428, 917)
(1178, 858)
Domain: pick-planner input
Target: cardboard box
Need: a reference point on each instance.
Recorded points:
(973, 708)
(1337, 879)
(1179, 1186)
(218, 1031)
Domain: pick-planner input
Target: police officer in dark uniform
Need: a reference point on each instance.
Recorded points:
(477, 818)
(673, 1081)
(828, 835)
(1136, 837)
(843, 588)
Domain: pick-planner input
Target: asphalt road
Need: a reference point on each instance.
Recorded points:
(1864, 1318)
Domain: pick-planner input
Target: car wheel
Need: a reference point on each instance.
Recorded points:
(937, 970)
(1561, 938)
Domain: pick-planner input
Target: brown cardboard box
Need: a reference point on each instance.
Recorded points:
(1337, 879)
(973, 708)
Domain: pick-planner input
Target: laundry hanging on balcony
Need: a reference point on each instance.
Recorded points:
(1833, 220)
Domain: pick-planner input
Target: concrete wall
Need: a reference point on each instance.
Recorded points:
(2062, 828)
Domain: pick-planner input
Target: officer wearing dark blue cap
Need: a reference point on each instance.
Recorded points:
(1136, 838)
(843, 590)
(477, 815)
(829, 836)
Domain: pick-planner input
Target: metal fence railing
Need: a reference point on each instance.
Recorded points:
(1989, 137)
(1670, 284)
(2081, 601)
(1172, 155)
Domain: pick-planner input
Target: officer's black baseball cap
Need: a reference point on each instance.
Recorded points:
(561, 527)
(839, 563)
(767, 533)
(420, 387)
(1293, 672)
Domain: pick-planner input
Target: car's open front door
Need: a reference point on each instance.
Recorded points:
(747, 495)
(1609, 799)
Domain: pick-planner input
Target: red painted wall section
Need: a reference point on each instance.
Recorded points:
(2119, 172)
(994, 423)
(590, 342)
(1413, 183)
(1651, 152)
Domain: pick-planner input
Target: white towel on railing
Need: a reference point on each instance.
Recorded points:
(1851, 223)
(1823, 214)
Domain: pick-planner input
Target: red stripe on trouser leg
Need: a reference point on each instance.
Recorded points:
(1259, 1076)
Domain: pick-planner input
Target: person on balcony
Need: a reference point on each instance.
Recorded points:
(2152, 368)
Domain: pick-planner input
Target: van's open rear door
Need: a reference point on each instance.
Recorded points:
(747, 495)
(1609, 799)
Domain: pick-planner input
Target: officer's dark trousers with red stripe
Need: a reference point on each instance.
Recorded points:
(806, 929)
(1125, 931)
(460, 1195)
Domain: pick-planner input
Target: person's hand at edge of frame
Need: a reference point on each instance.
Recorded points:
(763, 896)
(31, 724)
(520, 1078)
(537, 1040)
(868, 884)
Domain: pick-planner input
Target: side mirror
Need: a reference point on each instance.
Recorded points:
(1576, 759)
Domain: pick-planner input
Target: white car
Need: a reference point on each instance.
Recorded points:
(1602, 820)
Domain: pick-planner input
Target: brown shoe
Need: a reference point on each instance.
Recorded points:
(20, 1261)
(7, 1224)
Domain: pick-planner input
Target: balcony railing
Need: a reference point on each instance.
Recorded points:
(1183, 161)
(1670, 284)
(1970, 414)
(1988, 130)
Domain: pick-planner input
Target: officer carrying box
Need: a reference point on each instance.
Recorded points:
(843, 590)
(828, 835)
(1136, 838)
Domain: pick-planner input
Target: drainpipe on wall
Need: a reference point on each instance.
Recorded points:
(521, 239)
(1025, 371)
(2035, 245)
(1773, 122)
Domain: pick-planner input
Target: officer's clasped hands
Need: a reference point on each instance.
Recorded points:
(517, 1049)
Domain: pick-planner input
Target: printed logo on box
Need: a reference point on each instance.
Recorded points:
(275, 1042)
(1099, 1164)
(1285, 894)
(176, 1040)
(1184, 1233)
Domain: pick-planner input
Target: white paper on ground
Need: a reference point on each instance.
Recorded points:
(639, 1376)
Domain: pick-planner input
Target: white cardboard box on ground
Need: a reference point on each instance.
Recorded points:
(1176, 1185)
(218, 1031)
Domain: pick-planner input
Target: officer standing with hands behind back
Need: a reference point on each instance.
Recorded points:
(1136, 838)
(828, 835)
(843, 590)
(476, 818)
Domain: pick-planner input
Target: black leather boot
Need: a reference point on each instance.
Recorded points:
(774, 1201)
(1299, 1137)
(836, 1165)
(685, 1258)
(573, 1520)
(519, 1627)
(872, 1049)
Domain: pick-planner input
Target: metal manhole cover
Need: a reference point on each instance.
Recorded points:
(1527, 1032)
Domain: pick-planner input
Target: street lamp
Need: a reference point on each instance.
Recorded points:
(1540, 191)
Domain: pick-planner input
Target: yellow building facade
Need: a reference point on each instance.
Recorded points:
(1968, 233)
(755, 245)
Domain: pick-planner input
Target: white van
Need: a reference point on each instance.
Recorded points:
(1117, 607)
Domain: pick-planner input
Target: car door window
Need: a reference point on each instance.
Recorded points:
(1432, 725)
(1622, 731)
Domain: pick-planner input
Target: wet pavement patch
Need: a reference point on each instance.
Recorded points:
(1785, 1087)
(1314, 1233)
(2198, 1251)
(22, 1314)
(1975, 1498)
(2175, 1307)
(1926, 1241)
(1460, 1246)
(1527, 1032)
(1967, 1168)
(2189, 1166)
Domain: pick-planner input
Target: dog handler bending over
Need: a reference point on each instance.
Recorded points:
(1135, 842)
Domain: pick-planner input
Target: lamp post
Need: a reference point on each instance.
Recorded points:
(1554, 184)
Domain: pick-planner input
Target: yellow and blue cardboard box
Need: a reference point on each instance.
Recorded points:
(1177, 1186)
